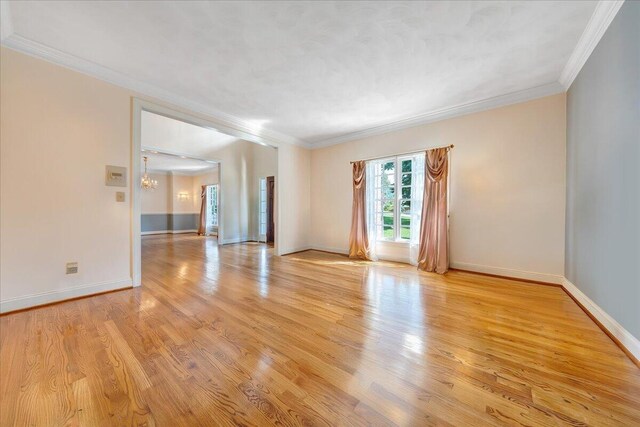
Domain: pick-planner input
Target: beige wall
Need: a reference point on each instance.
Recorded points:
(293, 188)
(164, 199)
(265, 164)
(182, 184)
(507, 186)
(63, 127)
(200, 180)
(507, 189)
(235, 183)
(58, 131)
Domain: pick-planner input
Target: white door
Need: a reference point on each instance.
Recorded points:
(212, 209)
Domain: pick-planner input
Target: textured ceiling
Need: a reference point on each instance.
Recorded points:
(158, 162)
(168, 135)
(317, 70)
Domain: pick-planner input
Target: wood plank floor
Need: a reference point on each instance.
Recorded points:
(236, 336)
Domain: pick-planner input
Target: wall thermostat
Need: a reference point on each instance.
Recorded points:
(116, 176)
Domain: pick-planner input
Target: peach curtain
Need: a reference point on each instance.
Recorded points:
(202, 227)
(358, 238)
(434, 237)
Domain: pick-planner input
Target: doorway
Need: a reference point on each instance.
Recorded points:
(267, 197)
(229, 148)
(212, 209)
(270, 224)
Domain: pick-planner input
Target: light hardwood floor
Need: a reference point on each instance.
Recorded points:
(236, 336)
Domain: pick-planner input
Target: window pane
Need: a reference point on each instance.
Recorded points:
(405, 207)
(387, 218)
(406, 165)
(405, 220)
(388, 179)
(406, 192)
(388, 207)
(405, 233)
(388, 192)
(388, 232)
(406, 179)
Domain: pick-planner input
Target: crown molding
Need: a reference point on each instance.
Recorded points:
(41, 51)
(179, 173)
(600, 20)
(182, 173)
(603, 15)
(447, 113)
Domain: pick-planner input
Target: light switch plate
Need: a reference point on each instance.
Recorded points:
(116, 176)
(72, 267)
(120, 196)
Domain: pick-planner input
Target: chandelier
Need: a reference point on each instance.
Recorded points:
(146, 182)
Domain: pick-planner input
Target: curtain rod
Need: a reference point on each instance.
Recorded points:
(401, 154)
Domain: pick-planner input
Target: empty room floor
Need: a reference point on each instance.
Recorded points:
(236, 336)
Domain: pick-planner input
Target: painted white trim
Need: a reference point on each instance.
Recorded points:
(297, 249)
(447, 113)
(603, 14)
(600, 20)
(136, 192)
(225, 122)
(139, 105)
(509, 272)
(236, 240)
(499, 271)
(48, 297)
(625, 337)
(148, 233)
(170, 213)
(182, 173)
(237, 127)
(381, 257)
(325, 248)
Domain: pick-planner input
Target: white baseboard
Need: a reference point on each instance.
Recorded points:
(508, 272)
(236, 240)
(328, 249)
(294, 250)
(27, 301)
(381, 257)
(148, 233)
(498, 271)
(631, 343)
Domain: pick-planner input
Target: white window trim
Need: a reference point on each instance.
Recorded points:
(217, 217)
(397, 199)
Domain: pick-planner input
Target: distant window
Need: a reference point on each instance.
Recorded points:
(263, 209)
(212, 199)
(394, 203)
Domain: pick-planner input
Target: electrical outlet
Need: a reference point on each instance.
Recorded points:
(120, 196)
(72, 267)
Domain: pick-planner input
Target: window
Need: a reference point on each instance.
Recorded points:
(212, 208)
(397, 199)
(263, 210)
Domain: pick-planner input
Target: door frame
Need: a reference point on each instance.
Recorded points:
(261, 237)
(271, 209)
(137, 106)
